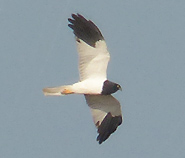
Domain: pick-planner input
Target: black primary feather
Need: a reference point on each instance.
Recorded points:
(108, 126)
(85, 30)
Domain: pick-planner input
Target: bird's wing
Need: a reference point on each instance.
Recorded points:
(106, 112)
(92, 49)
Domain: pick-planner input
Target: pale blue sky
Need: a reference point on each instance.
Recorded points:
(37, 49)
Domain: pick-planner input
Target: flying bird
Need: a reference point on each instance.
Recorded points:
(93, 83)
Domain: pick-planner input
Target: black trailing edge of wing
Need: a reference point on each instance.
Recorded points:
(108, 126)
(85, 30)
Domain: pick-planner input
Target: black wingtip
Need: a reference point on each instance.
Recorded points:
(85, 29)
(108, 126)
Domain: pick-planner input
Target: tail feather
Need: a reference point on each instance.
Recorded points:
(58, 91)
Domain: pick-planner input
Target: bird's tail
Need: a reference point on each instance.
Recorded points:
(62, 90)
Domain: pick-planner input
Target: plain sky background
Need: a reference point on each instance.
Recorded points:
(146, 40)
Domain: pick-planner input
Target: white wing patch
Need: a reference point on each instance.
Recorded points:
(93, 61)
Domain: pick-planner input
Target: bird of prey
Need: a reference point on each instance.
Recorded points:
(97, 89)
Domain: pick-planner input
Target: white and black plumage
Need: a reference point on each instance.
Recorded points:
(93, 61)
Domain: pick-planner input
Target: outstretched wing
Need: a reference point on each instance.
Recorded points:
(92, 49)
(106, 112)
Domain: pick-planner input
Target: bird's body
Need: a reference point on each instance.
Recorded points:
(88, 86)
(93, 61)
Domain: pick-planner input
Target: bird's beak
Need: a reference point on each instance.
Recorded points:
(120, 88)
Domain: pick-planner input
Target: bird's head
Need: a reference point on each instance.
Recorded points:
(110, 87)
